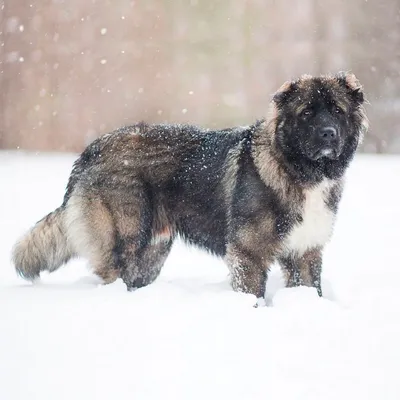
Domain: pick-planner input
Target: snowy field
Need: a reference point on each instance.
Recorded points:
(189, 336)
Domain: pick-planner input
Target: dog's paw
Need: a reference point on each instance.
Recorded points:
(260, 303)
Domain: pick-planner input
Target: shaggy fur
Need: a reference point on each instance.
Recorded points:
(253, 195)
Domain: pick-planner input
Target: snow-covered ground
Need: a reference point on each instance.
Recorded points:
(189, 336)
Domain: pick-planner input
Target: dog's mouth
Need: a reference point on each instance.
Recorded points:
(331, 153)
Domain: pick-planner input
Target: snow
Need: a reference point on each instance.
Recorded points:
(189, 336)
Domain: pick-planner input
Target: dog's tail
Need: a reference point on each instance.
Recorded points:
(44, 248)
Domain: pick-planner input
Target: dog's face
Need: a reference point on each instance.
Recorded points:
(318, 119)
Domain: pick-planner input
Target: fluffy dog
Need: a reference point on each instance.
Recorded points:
(252, 195)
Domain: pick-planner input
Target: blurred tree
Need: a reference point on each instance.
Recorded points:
(71, 71)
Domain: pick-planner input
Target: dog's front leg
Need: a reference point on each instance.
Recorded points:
(248, 270)
(310, 265)
(304, 269)
(291, 270)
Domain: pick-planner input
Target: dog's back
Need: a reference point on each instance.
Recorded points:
(130, 193)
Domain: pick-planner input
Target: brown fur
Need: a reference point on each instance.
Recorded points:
(44, 247)
(251, 195)
(304, 269)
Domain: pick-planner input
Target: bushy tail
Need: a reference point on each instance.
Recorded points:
(44, 247)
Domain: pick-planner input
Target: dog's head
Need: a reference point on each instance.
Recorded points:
(319, 120)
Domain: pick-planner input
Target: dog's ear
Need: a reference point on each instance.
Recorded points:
(352, 84)
(282, 95)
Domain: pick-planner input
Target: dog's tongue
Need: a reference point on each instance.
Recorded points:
(326, 152)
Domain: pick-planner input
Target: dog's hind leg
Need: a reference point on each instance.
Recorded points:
(140, 251)
(91, 232)
(113, 229)
(145, 267)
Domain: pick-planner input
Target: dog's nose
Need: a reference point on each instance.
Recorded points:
(328, 133)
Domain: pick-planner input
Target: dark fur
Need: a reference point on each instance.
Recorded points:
(239, 193)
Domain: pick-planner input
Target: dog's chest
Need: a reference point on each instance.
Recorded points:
(317, 221)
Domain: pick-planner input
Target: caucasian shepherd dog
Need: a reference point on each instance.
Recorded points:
(252, 195)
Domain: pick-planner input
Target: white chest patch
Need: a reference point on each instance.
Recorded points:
(317, 224)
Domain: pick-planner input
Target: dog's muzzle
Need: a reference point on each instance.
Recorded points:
(326, 143)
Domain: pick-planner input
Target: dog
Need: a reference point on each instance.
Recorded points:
(251, 195)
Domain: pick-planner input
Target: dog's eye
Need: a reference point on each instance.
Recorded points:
(338, 110)
(306, 113)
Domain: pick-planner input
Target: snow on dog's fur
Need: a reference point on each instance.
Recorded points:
(253, 195)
